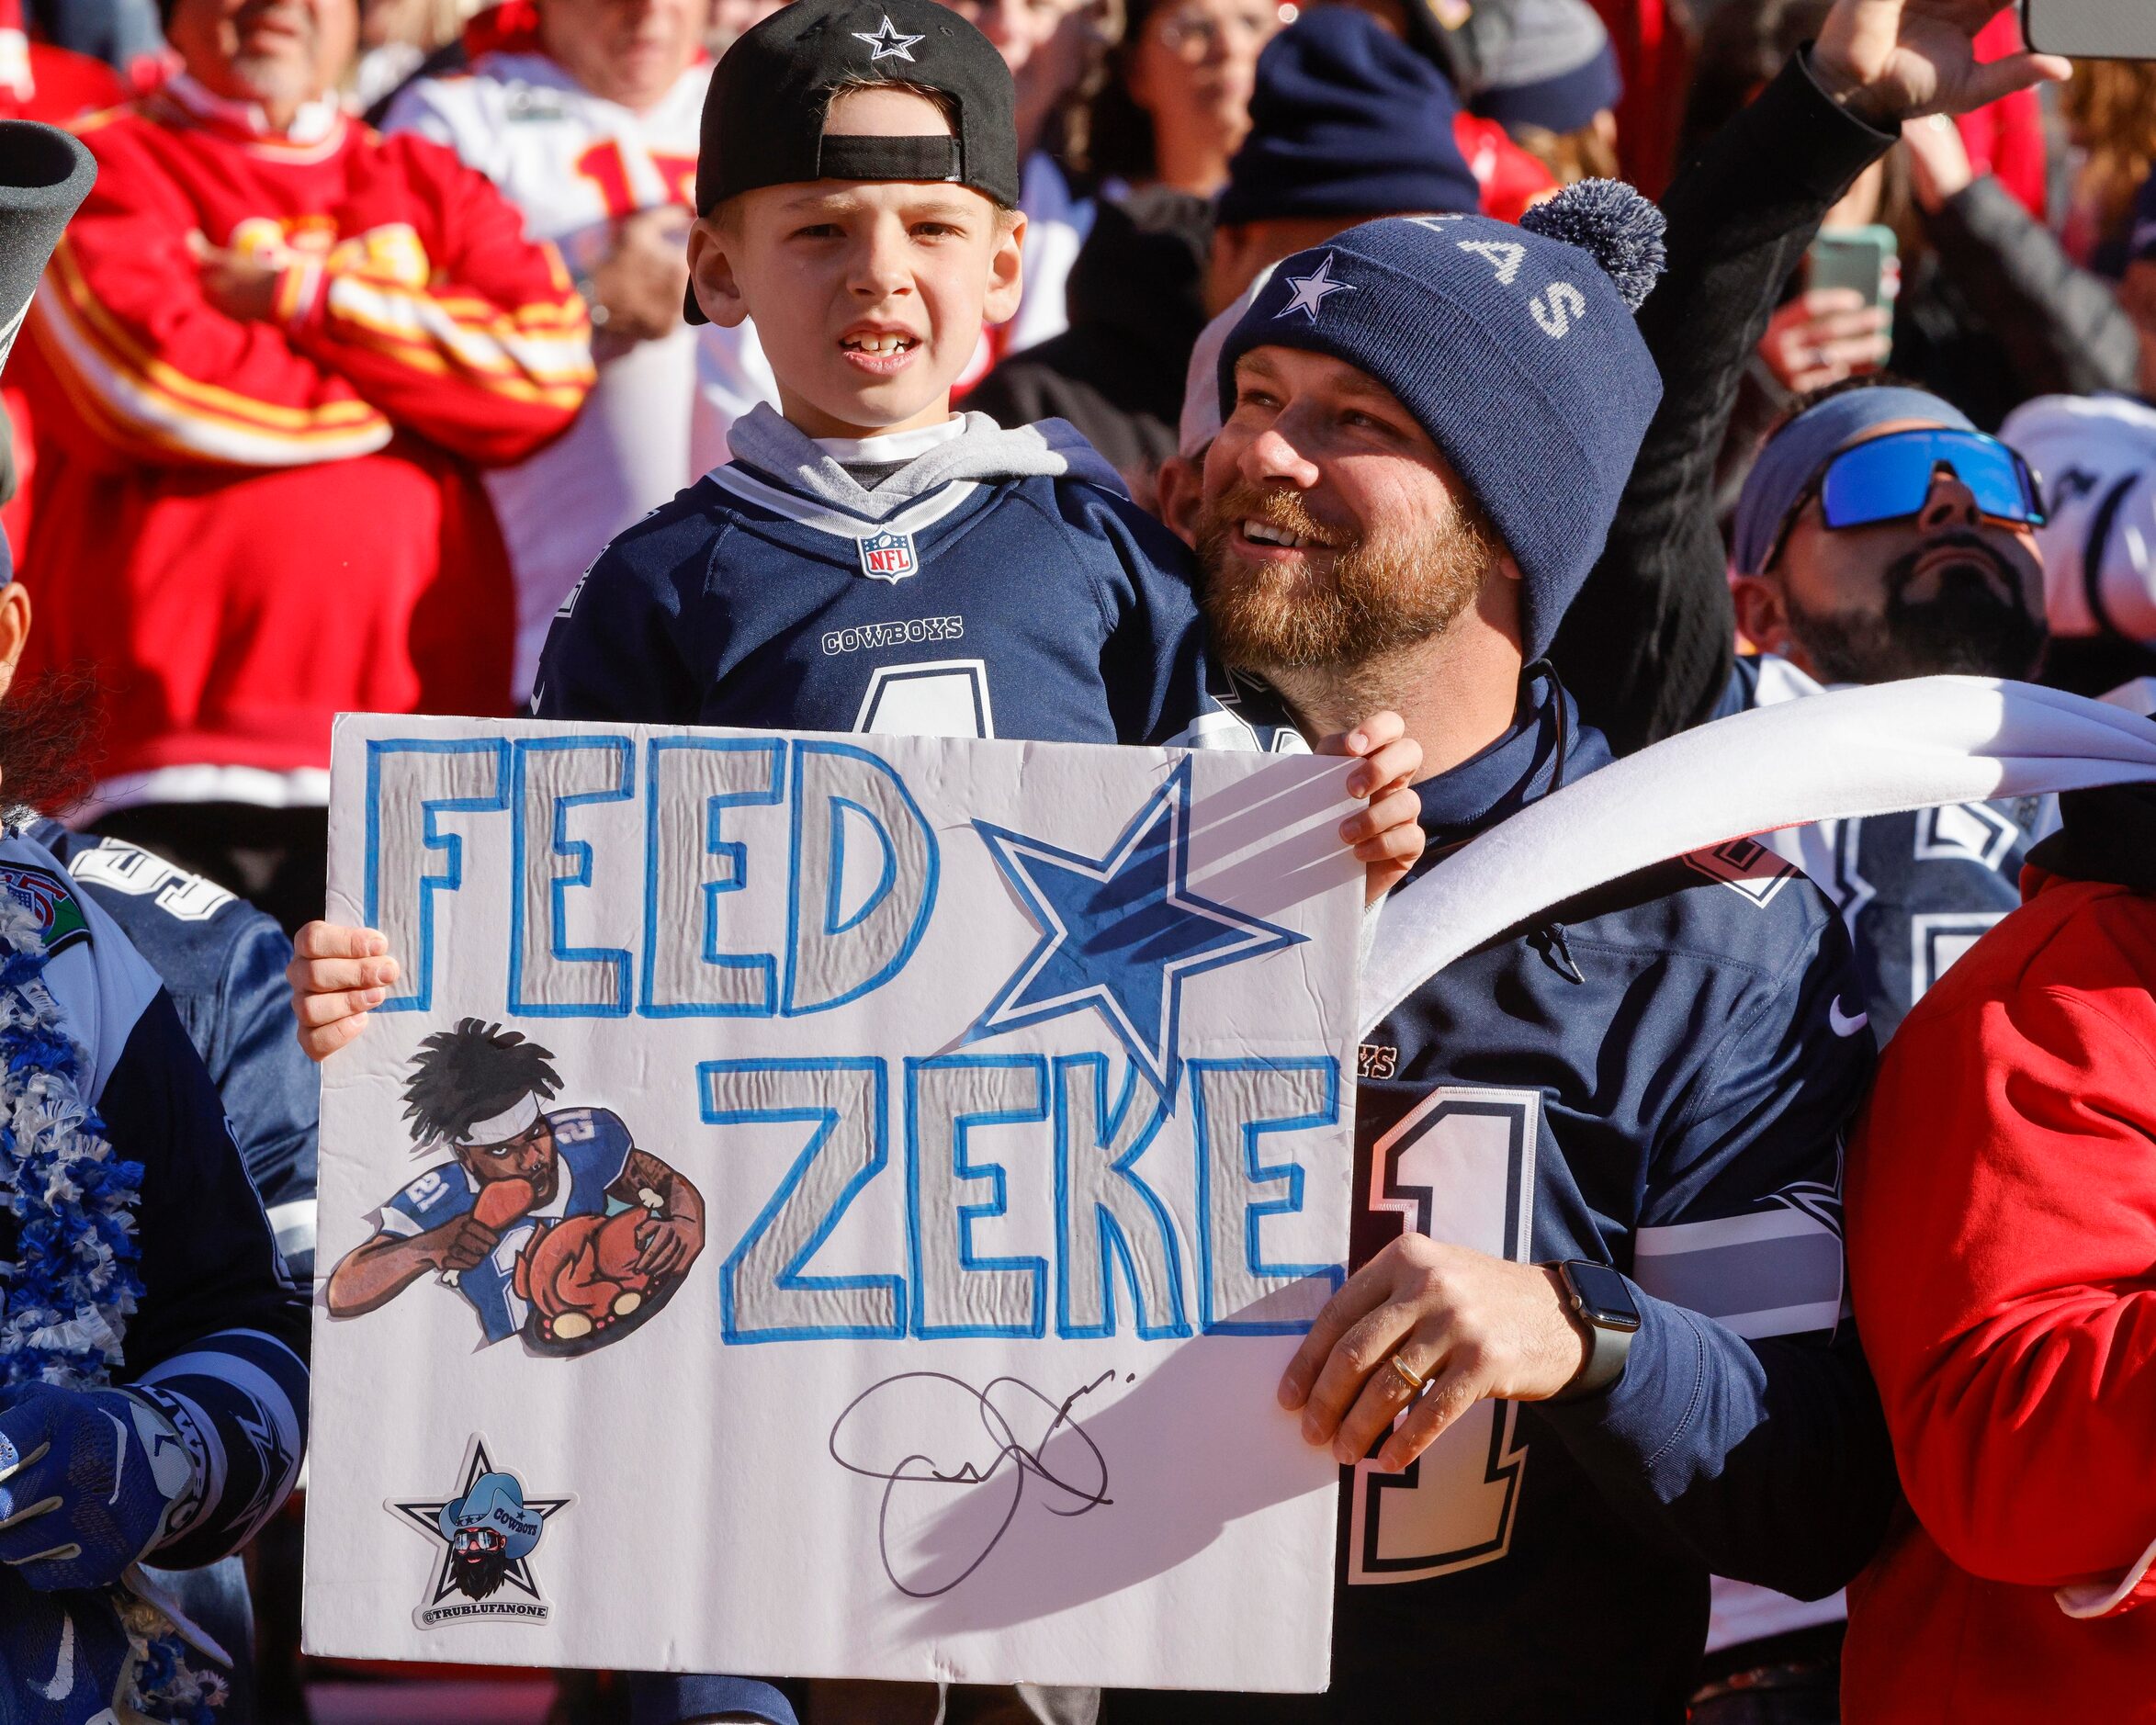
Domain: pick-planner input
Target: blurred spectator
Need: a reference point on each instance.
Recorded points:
(2001, 1212)
(123, 34)
(1746, 42)
(1549, 76)
(1136, 304)
(1056, 50)
(2137, 292)
(41, 82)
(1437, 29)
(2061, 328)
(1981, 305)
(395, 38)
(1347, 123)
(2098, 461)
(1509, 177)
(588, 124)
(271, 353)
(2110, 113)
(1176, 102)
(1656, 42)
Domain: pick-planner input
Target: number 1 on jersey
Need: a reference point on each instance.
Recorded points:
(1459, 1168)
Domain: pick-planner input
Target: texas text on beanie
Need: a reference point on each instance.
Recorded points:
(1513, 347)
(1346, 121)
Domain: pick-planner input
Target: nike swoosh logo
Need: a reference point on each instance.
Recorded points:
(1840, 1023)
(63, 1684)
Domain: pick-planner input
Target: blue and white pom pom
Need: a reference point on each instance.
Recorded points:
(1613, 224)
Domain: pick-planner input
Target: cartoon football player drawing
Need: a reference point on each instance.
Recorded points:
(550, 1222)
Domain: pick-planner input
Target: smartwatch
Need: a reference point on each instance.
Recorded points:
(1601, 1302)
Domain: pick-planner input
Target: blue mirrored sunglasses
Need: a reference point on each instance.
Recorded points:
(1889, 478)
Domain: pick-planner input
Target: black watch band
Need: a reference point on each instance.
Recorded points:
(1601, 1302)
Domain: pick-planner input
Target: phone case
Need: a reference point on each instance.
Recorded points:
(2091, 29)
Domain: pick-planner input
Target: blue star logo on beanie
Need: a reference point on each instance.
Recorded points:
(1310, 290)
(889, 42)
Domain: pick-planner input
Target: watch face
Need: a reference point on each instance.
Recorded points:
(1605, 1300)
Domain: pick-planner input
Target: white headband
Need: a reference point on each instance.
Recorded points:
(513, 1122)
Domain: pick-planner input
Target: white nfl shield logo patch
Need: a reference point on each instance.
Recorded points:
(1746, 866)
(887, 557)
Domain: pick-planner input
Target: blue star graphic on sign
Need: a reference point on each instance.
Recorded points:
(1122, 933)
(889, 42)
(1310, 290)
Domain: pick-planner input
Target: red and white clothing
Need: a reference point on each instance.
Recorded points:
(2002, 1237)
(248, 526)
(575, 163)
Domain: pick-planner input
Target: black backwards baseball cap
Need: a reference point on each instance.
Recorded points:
(764, 110)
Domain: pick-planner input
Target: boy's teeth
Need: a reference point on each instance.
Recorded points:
(878, 344)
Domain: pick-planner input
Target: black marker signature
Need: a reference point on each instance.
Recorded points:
(947, 1398)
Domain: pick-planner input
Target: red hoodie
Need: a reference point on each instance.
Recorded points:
(2001, 1218)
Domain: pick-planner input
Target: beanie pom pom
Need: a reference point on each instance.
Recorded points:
(1613, 224)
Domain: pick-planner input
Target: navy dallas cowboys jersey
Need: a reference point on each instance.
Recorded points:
(1036, 606)
(1656, 1077)
(592, 1145)
(1916, 888)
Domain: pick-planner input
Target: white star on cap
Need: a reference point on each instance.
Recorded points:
(1310, 290)
(890, 42)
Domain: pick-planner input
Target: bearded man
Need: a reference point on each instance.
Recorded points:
(1882, 536)
(1593, 1352)
(1589, 1354)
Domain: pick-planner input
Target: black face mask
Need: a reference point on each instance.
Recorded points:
(1977, 624)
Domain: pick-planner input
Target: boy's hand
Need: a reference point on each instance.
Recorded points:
(1387, 836)
(338, 975)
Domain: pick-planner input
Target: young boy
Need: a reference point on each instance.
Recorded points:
(870, 561)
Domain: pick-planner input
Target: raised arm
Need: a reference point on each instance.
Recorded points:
(1646, 648)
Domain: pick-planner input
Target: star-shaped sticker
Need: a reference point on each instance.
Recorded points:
(427, 1518)
(1120, 935)
(889, 42)
(1310, 290)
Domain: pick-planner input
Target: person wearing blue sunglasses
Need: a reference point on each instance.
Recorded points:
(1882, 536)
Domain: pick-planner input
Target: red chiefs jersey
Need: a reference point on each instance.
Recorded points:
(248, 525)
(2002, 1230)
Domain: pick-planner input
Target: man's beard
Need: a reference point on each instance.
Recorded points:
(478, 1574)
(1977, 626)
(1383, 591)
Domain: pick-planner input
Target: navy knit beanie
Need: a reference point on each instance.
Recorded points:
(1513, 347)
(1346, 121)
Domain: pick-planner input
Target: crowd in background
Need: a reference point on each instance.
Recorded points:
(309, 480)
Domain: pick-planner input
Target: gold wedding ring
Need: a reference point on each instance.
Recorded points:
(1408, 1375)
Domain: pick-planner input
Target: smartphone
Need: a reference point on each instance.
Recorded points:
(1868, 259)
(2091, 29)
